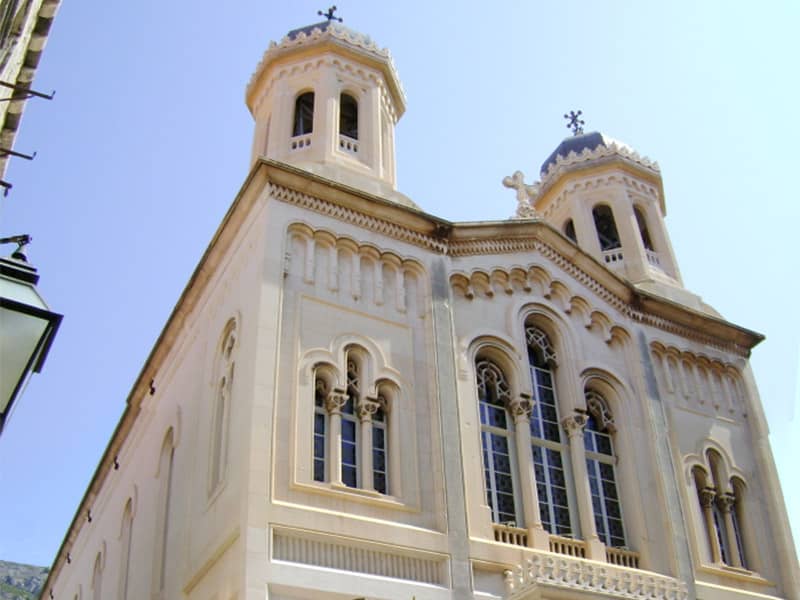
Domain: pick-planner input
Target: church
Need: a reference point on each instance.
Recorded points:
(355, 399)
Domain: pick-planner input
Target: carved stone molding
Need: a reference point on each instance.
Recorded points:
(496, 246)
(335, 401)
(574, 424)
(367, 407)
(520, 407)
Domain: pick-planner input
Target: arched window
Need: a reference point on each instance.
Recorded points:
(642, 223)
(304, 114)
(360, 426)
(496, 440)
(547, 443)
(569, 230)
(97, 578)
(349, 433)
(321, 391)
(348, 116)
(380, 446)
(222, 406)
(600, 459)
(606, 227)
(125, 544)
(737, 518)
(722, 504)
(165, 472)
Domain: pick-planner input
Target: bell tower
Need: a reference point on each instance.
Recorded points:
(327, 99)
(609, 200)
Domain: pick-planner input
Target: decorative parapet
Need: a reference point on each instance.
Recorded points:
(563, 164)
(586, 576)
(330, 30)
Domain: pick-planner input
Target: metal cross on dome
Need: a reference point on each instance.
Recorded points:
(329, 15)
(575, 122)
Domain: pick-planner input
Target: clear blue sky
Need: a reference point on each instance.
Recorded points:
(148, 141)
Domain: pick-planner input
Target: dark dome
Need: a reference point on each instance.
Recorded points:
(577, 144)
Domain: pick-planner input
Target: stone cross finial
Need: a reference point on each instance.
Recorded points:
(329, 14)
(524, 194)
(575, 122)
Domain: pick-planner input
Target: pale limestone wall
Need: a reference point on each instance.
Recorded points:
(205, 544)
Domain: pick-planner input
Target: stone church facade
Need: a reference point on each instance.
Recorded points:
(356, 399)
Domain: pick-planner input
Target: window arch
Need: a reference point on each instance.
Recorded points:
(569, 230)
(322, 389)
(380, 440)
(721, 502)
(600, 460)
(223, 385)
(348, 116)
(606, 227)
(97, 578)
(349, 427)
(643, 231)
(547, 443)
(165, 475)
(497, 432)
(303, 114)
(352, 430)
(125, 543)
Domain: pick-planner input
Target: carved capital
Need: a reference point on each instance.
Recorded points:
(521, 407)
(707, 496)
(574, 424)
(726, 502)
(368, 407)
(335, 401)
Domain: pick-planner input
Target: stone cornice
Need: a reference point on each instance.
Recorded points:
(503, 237)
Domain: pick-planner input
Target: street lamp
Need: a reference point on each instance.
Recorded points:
(27, 326)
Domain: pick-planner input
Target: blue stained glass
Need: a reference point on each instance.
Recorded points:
(378, 460)
(348, 453)
(504, 483)
(551, 432)
(319, 470)
(377, 437)
(349, 476)
(502, 463)
(610, 490)
(500, 444)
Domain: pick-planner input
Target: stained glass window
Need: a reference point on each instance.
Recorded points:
(600, 466)
(546, 436)
(496, 436)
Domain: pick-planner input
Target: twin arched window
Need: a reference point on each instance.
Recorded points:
(304, 115)
(722, 507)
(360, 423)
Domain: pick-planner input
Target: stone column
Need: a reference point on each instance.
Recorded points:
(635, 260)
(520, 409)
(707, 496)
(366, 408)
(334, 404)
(573, 425)
(726, 504)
